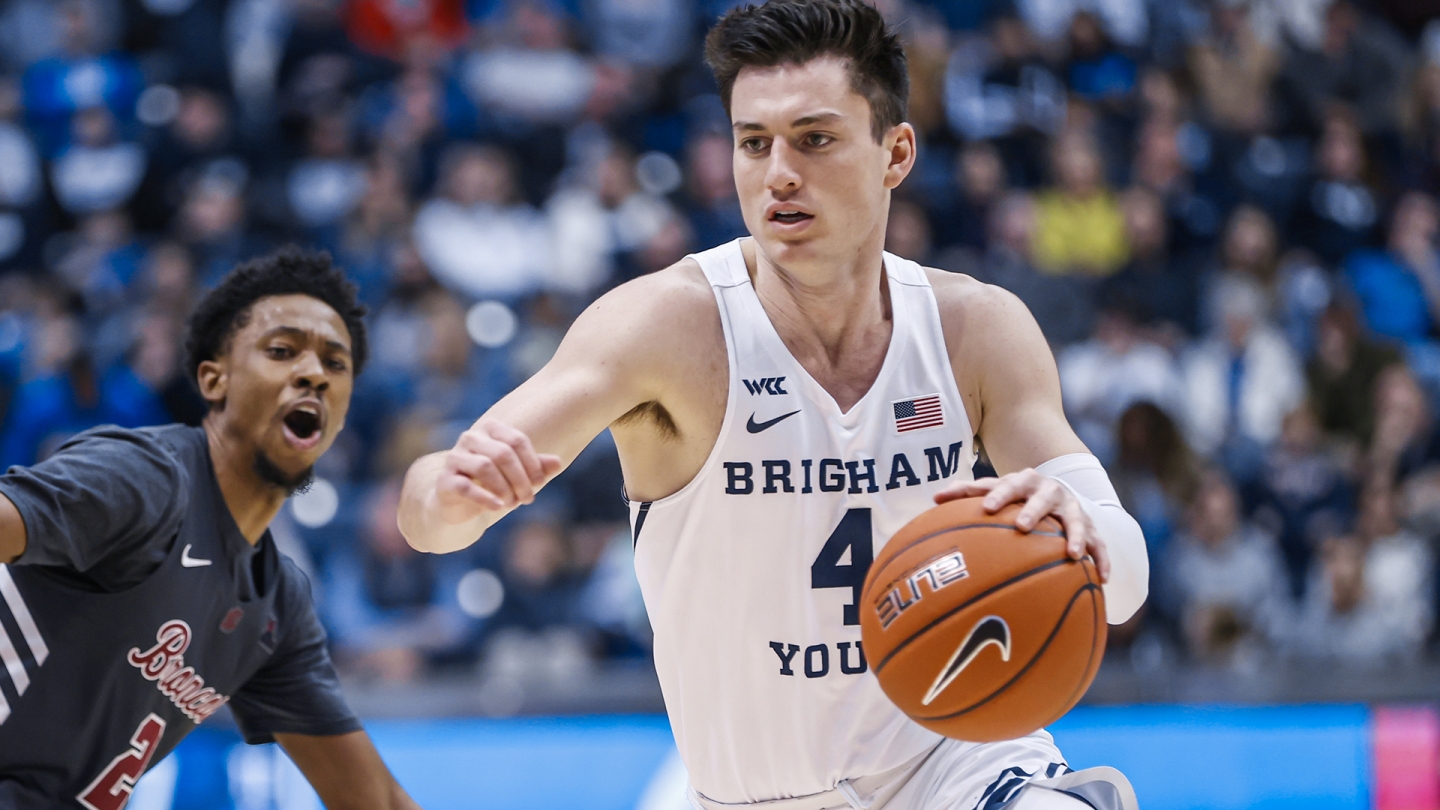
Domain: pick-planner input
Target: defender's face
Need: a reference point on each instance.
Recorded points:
(813, 183)
(285, 381)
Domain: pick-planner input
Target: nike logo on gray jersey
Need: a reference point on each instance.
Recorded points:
(187, 561)
(990, 630)
(756, 427)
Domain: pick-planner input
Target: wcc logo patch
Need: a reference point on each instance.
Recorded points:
(766, 385)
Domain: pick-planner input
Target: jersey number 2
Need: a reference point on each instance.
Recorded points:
(853, 534)
(111, 789)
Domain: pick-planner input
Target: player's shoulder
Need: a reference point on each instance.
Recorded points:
(652, 312)
(170, 450)
(972, 311)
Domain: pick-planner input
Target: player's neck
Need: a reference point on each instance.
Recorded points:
(828, 305)
(252, 501)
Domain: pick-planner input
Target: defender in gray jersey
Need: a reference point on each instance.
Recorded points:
(142, 589)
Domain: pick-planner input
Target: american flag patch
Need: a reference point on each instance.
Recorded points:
(918, 413)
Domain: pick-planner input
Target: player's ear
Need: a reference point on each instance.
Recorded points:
(213, 379)
(900, 146)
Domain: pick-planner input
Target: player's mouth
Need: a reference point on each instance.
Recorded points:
(789, 217)
(304, 424)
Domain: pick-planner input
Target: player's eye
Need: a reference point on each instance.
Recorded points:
(279, 352)
(336, 366)
(817, 139)
(753, 145)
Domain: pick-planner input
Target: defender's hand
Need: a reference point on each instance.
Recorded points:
(492, 468)
(1042, 496)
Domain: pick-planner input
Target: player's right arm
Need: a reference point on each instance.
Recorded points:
(621, 352)
(12, 531)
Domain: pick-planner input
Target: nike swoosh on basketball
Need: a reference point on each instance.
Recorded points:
(191, 562)
(989, 630)
(756, 427)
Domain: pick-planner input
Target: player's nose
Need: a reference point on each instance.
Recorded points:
(781, 174)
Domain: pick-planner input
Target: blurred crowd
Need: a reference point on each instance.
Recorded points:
(1221, 213)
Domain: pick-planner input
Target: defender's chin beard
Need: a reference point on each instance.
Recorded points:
(271, 474)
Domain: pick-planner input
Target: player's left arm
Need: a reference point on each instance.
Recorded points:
(346, 771)
(1010, 381)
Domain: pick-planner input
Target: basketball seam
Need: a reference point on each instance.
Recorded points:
(1076, 693)
(1028, 664)
(967, 603)
(881, 565)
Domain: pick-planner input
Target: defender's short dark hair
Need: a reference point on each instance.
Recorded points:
(796, 31)
(226, 309)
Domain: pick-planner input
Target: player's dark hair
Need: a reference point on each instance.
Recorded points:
(226, 309)
(796, 31)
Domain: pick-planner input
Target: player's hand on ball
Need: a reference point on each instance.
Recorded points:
(493, 467)
(1042, 495)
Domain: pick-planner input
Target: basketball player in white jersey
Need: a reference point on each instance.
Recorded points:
(782, 405)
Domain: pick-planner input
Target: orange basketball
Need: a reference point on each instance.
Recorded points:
(978, 631)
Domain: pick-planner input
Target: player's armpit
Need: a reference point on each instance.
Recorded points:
(12, 531)
(346, 771)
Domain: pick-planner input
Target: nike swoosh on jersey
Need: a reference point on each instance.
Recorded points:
(756, 427)
(989, 630)
(187, 561)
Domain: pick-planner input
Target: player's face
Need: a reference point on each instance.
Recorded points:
(285, 382)
(814, 185)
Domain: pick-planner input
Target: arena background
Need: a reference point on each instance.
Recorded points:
(1221, 212)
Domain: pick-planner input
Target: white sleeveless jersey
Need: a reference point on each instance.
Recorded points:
(752, 572)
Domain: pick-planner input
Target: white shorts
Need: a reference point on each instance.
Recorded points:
(963, 776)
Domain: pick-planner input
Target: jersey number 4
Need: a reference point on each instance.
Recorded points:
(852, 535)
(111, 789)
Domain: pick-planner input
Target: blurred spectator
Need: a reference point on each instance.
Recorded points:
(212, 221)
(387, 606)
(1102, 377)
(1062, 305)
(1339, 212)
(1233, 68)
(1099, 72)
(1125, 20)
(714, 207)
(1240, 381)
(387, 28)
(1008, 94)
(21, 178)
(1248, 255)
(326, 184)
(1399, 565)
(1155, 475)
(1223, 578)
(68, 395)
(1358, 61)
(1405, 439)
(907, 233)
(1079, 228)
(1342, 620)
(83, 76)
(530, 72)
(1162, 289)
(541, 583)
(97, 171)
(644, 33)
(477, 237)
(600, 221)
(1399, 289)
(1303, 489)
(378, 224)
(1342, 375)
(962, 220)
